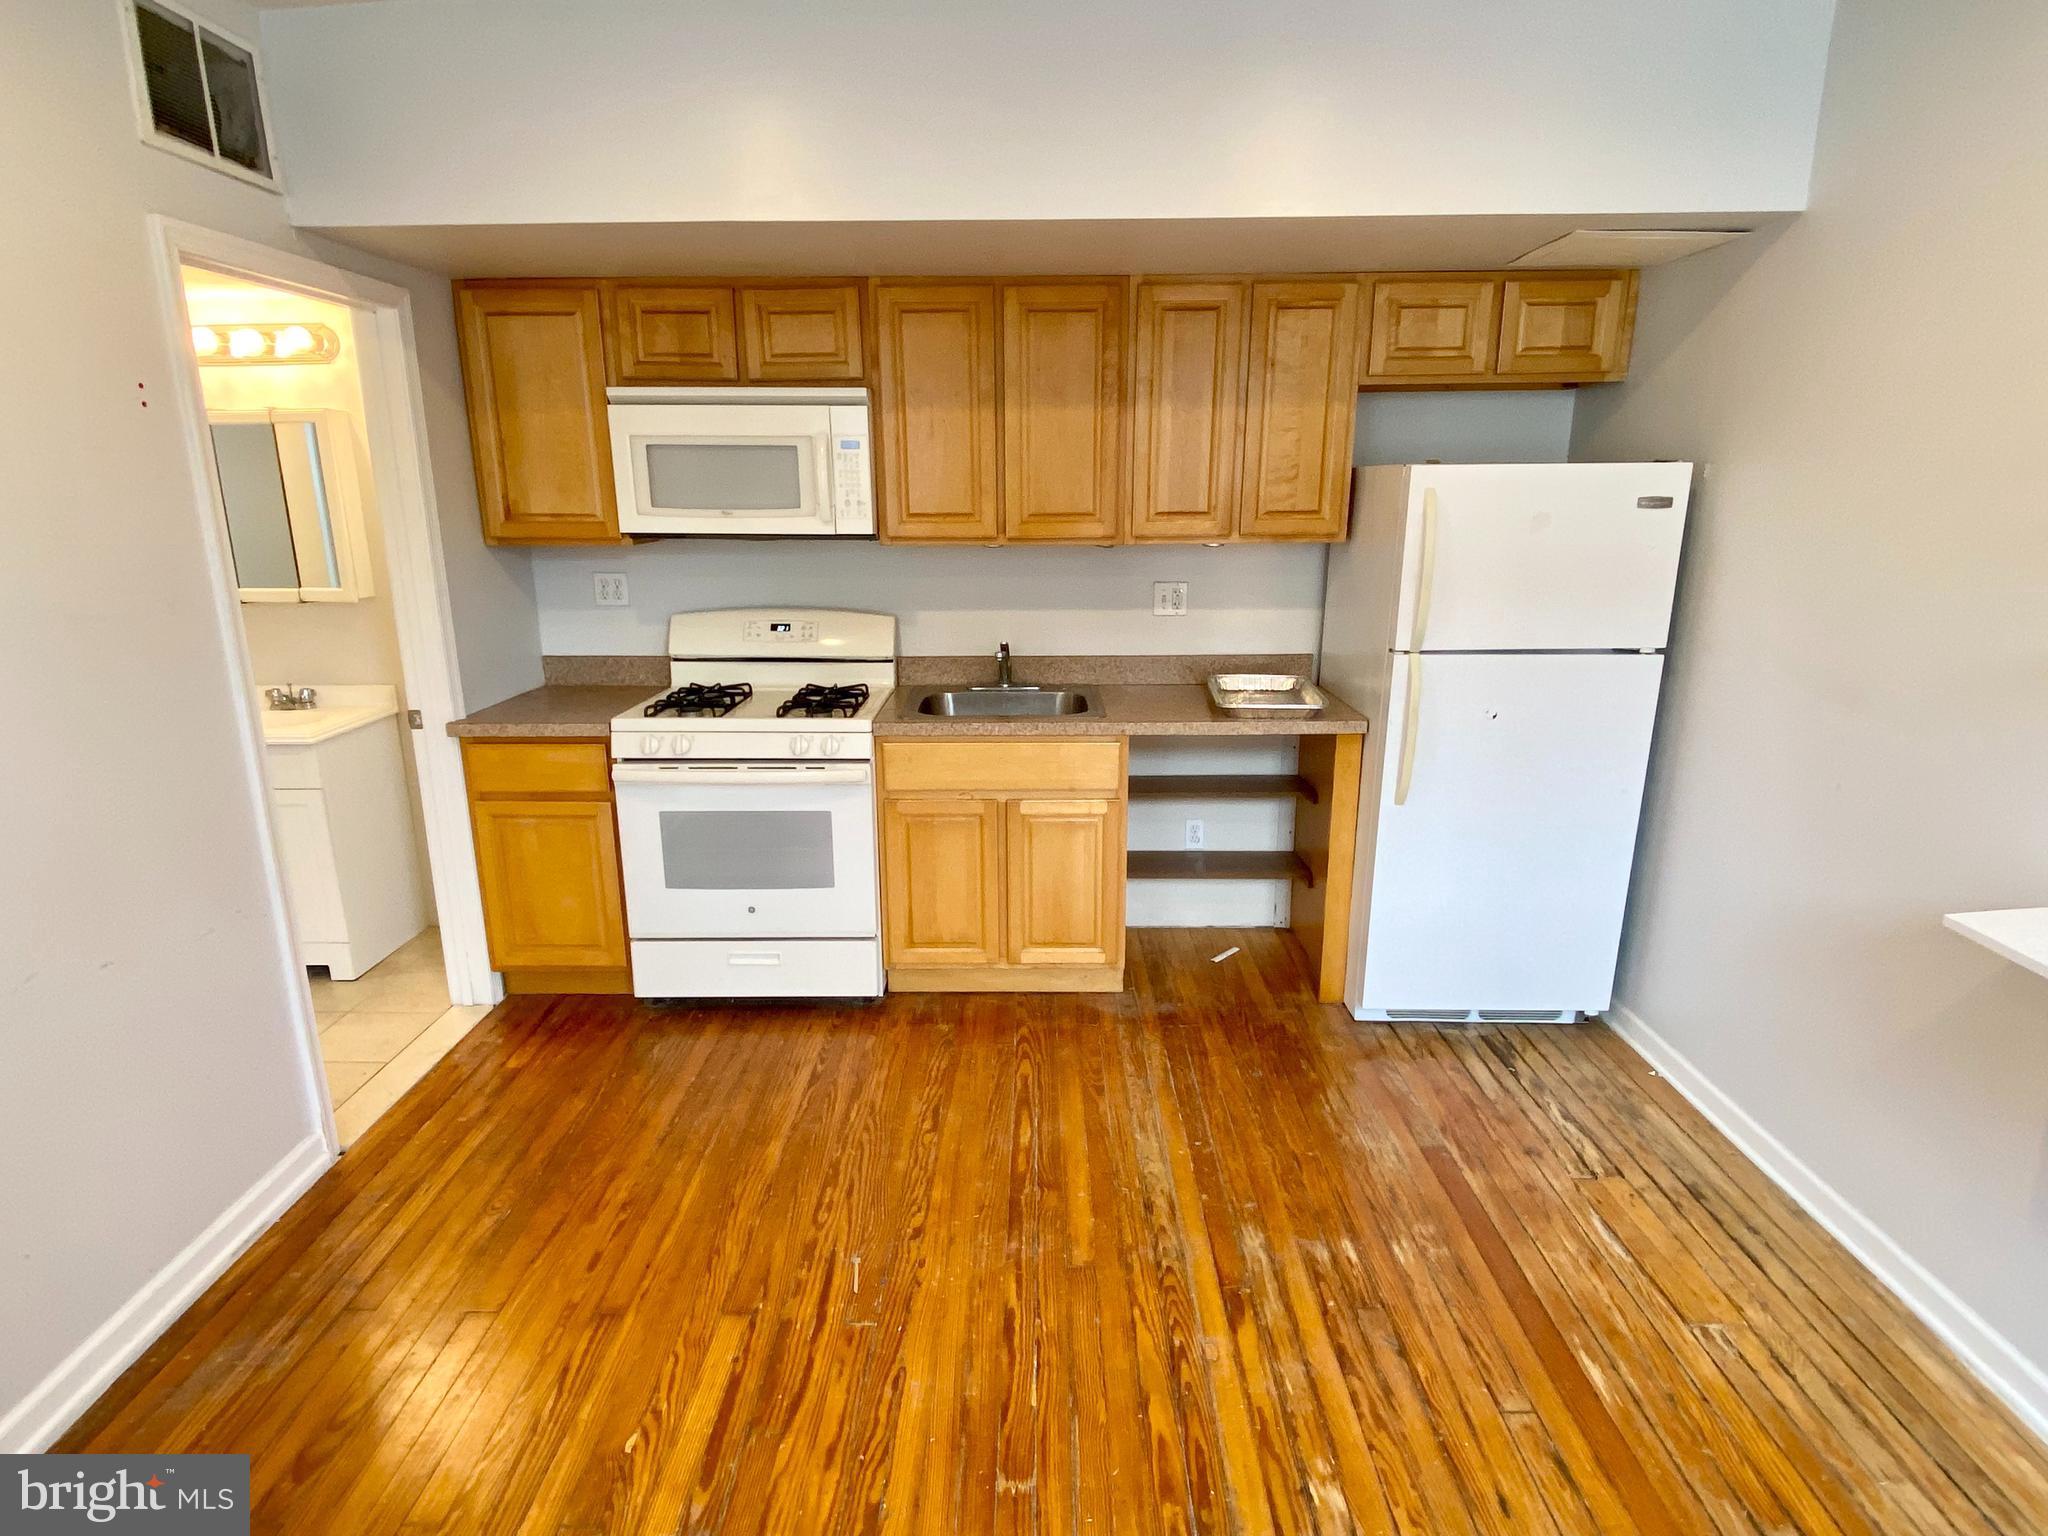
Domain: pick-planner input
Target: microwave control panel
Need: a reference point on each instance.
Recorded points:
(853, 509)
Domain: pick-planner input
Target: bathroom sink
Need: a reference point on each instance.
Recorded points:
(1003, 703)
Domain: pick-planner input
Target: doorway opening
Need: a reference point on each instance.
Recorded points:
(308, 441)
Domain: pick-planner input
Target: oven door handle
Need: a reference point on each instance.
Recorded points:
(707, 774)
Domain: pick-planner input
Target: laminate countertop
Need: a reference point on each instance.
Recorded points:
(1117, 709)
(559, 709)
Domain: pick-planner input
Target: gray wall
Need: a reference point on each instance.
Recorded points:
(1854, 737)
(149, 1077)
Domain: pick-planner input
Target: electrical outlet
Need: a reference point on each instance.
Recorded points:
(1195, 834)
(1170, 598)
(611, 589)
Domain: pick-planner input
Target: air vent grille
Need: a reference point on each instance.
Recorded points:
(1431, 1015)
(198, 91)
(1520, 1016)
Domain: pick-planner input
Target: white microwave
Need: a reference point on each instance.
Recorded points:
(742, 462)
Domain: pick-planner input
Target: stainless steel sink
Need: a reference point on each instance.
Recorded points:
(997, 703)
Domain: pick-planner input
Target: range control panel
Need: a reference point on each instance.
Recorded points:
(781, 631)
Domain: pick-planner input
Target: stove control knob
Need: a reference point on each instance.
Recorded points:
(799, 745)
(831, 746)
(650, 746)
(680, 746)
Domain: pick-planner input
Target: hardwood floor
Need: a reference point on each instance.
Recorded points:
(1205, 1256)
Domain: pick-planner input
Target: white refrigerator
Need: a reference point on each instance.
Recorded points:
(1504, 626)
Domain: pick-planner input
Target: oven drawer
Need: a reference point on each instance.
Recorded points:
(757, 968)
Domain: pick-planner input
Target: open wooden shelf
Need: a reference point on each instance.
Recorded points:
(1221, 786)
(1219, 864)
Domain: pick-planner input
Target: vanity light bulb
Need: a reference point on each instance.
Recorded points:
(244, 342)
(205, 340)
(293, 340)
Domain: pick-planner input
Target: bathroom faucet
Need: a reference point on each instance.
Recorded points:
(1003, 665)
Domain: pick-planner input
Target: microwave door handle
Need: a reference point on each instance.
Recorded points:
(821, 479)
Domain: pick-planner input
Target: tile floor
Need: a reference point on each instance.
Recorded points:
(381, 1032)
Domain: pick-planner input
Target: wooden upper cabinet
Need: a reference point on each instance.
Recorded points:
(533, 367)
(1567, 328)
(1187, 409)
(801, 335)
(665, 334)
(1301, 398)
(1062, 411)
(1064, 868)
(935, 412)
(1432, 328)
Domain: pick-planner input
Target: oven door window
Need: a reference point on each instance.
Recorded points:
(736, 477)
(746, 850)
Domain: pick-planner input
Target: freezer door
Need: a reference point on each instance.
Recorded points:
(1550, 557)
(1507, 827)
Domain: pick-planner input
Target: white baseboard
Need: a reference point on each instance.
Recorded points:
(1990, 1356)
(60, 1397)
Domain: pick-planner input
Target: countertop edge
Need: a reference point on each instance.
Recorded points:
(558, 712)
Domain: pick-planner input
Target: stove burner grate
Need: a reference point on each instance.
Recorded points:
(702, 699)
(816, 699)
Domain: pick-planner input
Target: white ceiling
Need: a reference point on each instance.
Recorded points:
(995, 247)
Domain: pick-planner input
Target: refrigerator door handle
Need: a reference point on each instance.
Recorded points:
(1404, 775)
(1425, 579)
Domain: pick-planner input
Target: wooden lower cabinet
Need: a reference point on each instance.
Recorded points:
(1011, 877)
(942, 881)
(547, 855)
(1064, 882)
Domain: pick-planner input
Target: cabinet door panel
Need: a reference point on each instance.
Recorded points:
(1065, 862)
(1187, 410)
(1062, 404)
(800, 335)
(312, 883)
(935, 408)
(662, 334)
(1567, 327)
(1300, 400)
(942, 882)
(1432, 328)
(533, 367)
(550, 876)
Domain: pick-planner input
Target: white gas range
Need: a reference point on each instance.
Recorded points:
(747, 806)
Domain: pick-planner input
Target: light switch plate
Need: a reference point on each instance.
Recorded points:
(611, 589)
(1170, 598)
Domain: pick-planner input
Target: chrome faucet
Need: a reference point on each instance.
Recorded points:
(286, 698)
(1003, 666)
